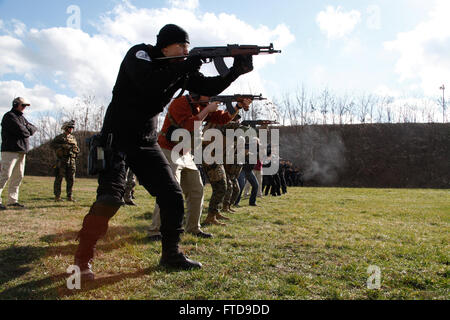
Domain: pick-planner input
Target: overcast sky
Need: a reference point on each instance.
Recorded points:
(396, 47)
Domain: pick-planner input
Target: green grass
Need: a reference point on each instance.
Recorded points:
(313, 243)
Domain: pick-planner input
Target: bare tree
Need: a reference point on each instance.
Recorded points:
(324, 106)
(441, 103)
(342, 104)
(325, 101)
(351, 111)
(372, 105)
(365, 102)
(280, 113)
(49, 125)
(288, 110)
(302, 104)
(333, 108)
(88, 114)
(384, 103)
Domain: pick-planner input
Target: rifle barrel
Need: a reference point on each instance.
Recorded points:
(230, 47)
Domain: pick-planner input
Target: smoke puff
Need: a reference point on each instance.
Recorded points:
(320, 154)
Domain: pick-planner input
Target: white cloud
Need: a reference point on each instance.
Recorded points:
(19, 28)
(383, 91)
(88, 63)
(335, 23)
(85, 63)
(184, 4)
(374, 17)
(14, 56)
(40, 97)
(131, 23)
(423, 51)
(352, 46)
(13, 27)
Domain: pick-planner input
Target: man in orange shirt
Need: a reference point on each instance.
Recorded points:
(183, 113)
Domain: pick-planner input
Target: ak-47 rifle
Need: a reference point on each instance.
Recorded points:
(228, 100)
(217, 54)
(254, 123)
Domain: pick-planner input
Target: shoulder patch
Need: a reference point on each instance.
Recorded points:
(141, 54)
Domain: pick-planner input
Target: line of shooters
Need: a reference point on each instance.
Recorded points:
(148, 79)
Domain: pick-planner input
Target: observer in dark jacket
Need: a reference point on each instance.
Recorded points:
(16, 131)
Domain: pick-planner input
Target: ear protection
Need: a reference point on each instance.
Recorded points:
(16, 103)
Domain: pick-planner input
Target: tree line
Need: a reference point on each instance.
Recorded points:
(301, 107)
(326, 107)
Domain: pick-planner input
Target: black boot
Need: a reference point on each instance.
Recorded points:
(171, 256)
(130, 202)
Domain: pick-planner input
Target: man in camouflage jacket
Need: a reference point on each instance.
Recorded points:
(232, 170)
(223, 177)
(66, 149)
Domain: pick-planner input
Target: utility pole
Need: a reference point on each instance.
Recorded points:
(443, 103)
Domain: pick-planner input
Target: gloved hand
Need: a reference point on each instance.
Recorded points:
(192, 64)
(243, 64)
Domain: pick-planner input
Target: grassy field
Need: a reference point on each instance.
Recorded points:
(313, 243)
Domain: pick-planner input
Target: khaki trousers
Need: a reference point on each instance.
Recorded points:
(13, 169)
(188, 176)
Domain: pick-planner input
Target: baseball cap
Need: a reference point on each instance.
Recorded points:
(20, 101)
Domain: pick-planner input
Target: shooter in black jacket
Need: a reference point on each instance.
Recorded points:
(144, 86)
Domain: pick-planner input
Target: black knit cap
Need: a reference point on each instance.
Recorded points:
(171, 34)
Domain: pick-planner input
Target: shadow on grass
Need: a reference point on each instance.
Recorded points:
(46, 205)
(145, 216)
(16, 261)
(42, 198)
(39, 289)
(113, 233)
(49, 202)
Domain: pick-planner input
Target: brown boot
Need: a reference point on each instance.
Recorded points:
(211, 220)
(221, 217)
(95, 225)
(58, 199)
